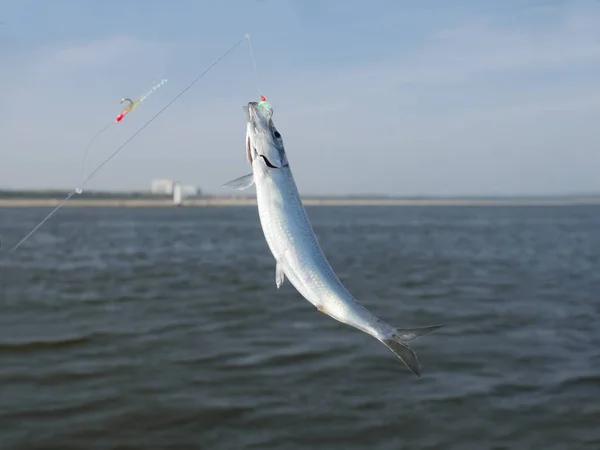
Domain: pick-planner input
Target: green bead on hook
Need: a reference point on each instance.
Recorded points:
(265, 104)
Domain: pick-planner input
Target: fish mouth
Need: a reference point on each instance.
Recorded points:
(250, 149)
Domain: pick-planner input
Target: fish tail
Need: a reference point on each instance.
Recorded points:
(396, 342)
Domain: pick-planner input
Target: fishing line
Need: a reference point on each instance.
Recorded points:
(131, 107)
(254, 64)
(79, 189)
(87, 149)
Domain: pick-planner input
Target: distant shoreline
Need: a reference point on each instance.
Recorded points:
(23, 202)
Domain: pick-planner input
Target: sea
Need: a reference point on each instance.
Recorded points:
(163, 328)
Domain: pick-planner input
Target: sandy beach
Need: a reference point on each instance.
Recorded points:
(308, 201)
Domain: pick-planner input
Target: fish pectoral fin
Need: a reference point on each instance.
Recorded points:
(279, 275)
(241, 183)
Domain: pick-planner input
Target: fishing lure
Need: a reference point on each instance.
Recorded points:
(265, 105)
(130, 107)
(132, 104)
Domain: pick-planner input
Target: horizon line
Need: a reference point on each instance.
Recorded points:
(10, 192)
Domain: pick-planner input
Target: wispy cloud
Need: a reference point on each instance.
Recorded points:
(99, 53)
(480, 104)
(479, 47)
(40, 76)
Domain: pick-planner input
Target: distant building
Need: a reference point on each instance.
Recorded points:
(176, 189)
(162, 187)
(188, 190)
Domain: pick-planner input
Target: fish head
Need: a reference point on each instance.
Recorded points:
(264, 144)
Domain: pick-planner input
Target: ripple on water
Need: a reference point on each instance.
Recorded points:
(162, 328)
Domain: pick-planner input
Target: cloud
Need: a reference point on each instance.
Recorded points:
(99, 53)
(477, 68)
(479, 47)
(55, 97)
(476, 107)
(470, 107)
(42, 76)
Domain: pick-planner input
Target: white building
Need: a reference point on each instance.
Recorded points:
(188, 189)
(167, 187)
(175, 188)
(162, 187)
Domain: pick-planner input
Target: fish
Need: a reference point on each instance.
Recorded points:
(293, 243)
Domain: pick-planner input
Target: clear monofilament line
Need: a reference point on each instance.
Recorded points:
(79, 190)
(254, 65)
(164, 108)
(87, 149)
(28, 235)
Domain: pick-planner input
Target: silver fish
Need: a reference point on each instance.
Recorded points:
(293, 243)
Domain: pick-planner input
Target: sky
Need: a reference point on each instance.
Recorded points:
(371, 97)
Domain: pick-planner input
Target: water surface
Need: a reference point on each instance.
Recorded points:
(162, 328)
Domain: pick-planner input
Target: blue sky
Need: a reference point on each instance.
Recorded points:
(392, 97)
